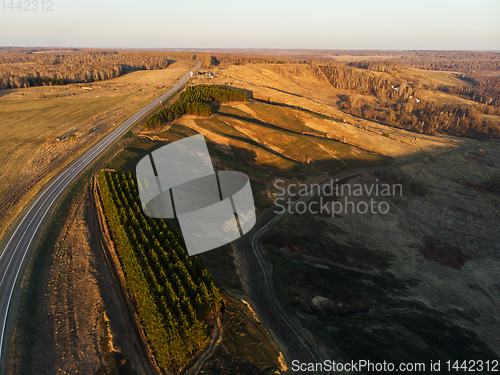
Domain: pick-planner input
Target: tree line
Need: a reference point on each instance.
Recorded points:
(379, 66)
(427, 117)
(174, 294)
(396, 102)
(484, 90)
(60, 68)
(195, 100)
(463, 65)
(243, 59)
(24, 67)
(342, 76)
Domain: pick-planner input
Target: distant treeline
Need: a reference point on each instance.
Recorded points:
(195, 100)
(231, 59)
(59, 68)
(465, 66)
(461, 61)
(379, 66)
(397, 102)
(342, 76)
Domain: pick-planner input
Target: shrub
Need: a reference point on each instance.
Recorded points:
(409, 183)
(443, 253)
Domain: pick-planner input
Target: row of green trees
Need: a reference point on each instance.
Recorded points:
(45, 81)
(174, 294)
(195, 100)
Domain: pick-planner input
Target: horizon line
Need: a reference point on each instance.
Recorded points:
(209, 49)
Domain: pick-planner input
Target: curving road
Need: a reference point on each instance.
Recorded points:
(12, 257)
(297, 343)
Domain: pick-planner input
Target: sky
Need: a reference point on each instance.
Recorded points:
(287, 24)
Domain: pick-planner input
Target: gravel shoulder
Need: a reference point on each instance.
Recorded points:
(81, 323)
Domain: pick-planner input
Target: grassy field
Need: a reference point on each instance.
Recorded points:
(43, 127)
(348, 297)
(28, 124)
(299, 85)
(281, 140)
(365, 286)
(263, 141)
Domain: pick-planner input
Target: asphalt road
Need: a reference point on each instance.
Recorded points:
(14, 254)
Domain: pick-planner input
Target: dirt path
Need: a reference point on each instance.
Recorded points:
(293, 339)
(214, 343)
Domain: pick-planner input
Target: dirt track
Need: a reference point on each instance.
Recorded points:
(294, 341)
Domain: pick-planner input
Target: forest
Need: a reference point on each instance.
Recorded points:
(398, 105)
(243, 59)
(174, 294)
(462, 65)
(483, 90)
(41, 68)
(195, 100)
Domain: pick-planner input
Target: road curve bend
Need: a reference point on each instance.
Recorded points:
(297, 343)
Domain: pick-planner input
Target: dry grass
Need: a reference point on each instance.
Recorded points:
(297, 84)
(431, 77)
(38, 135)
(155, 77)
(274, 136)
(443, 246)
(409, 183)
(443, 253)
